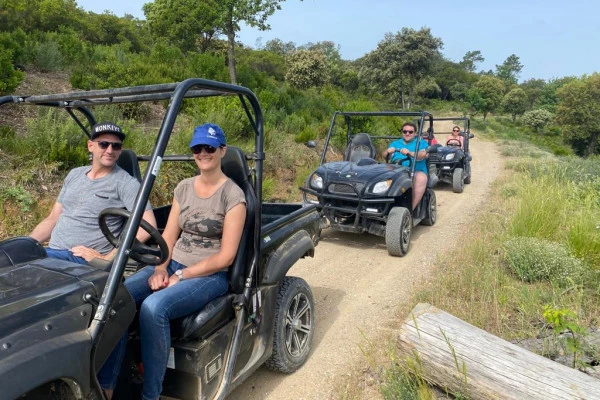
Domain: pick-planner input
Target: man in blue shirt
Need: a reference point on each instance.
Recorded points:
(406, 147)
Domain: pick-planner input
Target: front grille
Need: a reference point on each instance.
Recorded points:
(435, 157)
(344, 188)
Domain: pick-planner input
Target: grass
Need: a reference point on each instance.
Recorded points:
(544, 215)
(534, 246)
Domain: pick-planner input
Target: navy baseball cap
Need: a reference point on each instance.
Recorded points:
(209, 134)
(107, 127)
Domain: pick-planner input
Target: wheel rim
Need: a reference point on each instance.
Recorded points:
(405, 234)
(298, 325)
(432, 208)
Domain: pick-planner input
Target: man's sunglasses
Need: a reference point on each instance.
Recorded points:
(408, 132)
(115, 145)
(208, 149)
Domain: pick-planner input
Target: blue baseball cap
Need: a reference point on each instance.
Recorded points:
(209, 134)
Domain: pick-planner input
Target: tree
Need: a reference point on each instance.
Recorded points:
(548, 98)
(222, 16)
(187, 24)
(307, 68)
(578, 111)
(470, 59)
(277, 46)
(486, 94)
(510, 69)
(452, 79)
(537, 119)
(335, 65)
(515, 102)
(533, 88)
(400, 61)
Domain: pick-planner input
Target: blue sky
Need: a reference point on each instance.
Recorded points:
(552, 38)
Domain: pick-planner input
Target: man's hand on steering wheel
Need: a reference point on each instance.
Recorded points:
(404, 151)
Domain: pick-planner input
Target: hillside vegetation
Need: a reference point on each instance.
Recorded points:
(528, 268)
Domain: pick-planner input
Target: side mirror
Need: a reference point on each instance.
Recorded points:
(311, 144)
(471, 136)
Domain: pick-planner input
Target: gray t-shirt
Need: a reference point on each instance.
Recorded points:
(82, 200)
(201, 220)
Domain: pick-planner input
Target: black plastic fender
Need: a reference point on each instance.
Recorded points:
(403, 182)
(281, 260)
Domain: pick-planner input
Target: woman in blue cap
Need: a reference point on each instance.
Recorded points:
(203, 232)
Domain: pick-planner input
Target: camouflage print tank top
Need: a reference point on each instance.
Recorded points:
(201, 220)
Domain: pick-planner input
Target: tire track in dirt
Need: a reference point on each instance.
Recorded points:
(358, 287)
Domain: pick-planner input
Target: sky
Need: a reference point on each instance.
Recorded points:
(552, 38)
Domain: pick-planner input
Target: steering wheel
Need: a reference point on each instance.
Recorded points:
(400, 160)
(453, 143)
(140, 252)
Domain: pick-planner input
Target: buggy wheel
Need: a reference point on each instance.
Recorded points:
(294, 325)
(468, 173)
(458, 184)
(431, 209)
(397, 231)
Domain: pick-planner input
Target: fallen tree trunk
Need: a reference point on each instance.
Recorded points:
(461, 358)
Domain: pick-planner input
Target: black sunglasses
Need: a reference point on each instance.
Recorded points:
(197, 149)
(408, 131)
(115, 145)
(455, 130)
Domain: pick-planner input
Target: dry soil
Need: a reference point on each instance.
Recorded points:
(359, 288)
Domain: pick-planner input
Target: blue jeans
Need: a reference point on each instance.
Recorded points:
(156, 309)
(65, 255)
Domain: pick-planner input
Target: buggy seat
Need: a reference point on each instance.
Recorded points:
(360, 147)
(219, 311)
(129, 162)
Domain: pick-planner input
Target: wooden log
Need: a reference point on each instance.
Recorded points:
(462, 358)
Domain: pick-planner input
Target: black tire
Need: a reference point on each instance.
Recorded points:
(431, 208)
(468, 177)
(294, 325)
(458, 184)
(397, 231)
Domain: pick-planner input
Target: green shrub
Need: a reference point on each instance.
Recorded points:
(48, 57)
(9, 76)
(533, 260)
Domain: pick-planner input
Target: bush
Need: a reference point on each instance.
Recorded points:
(9, 76)
(537, 119)
(533, 260)
(48, 57)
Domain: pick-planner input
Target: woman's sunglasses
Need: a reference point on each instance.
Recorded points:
(455, 130)
(115, 145)
(208, 149)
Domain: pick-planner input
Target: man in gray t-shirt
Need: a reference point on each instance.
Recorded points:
(72, 226)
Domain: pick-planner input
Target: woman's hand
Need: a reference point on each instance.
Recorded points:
(159, 279)
(173, 280)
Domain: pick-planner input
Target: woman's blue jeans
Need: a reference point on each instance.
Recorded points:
(156, 309)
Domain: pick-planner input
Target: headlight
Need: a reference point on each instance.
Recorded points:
(449, 157)
(316, 181)
(382, 187)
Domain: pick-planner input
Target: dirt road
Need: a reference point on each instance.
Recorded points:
(358, 287)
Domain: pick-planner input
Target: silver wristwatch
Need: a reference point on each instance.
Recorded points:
(179, 274)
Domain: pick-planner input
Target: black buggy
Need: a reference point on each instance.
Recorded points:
(361, 195)
(452, 161)
(59, 320)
